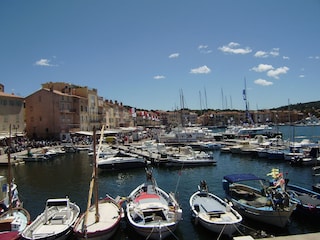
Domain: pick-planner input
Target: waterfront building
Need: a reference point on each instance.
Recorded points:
(11, 114)
(60, 109)
(52, 114)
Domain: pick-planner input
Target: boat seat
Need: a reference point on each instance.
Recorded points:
(215, 214)
(59, 218)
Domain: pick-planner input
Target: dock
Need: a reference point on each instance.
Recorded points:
(17, 157)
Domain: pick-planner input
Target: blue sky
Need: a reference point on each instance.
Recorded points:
(145, 53)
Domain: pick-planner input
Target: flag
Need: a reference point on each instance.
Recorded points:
(244, 94)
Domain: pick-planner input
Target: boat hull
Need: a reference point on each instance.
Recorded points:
(278, 218)
(110, 215)
(53, 223)
(308, 201)
(214, 214)
(17, 220)
(154, 232)
(151, 212)
(190, 163)
(119, 163)
(268, 205)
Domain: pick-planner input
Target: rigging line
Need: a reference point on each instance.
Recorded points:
(178, 182)
(150, 234)
(238, 230)
(222, 230)
(172, 233)
(247, 227)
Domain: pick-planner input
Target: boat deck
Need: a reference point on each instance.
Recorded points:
(109, 215)
(211, 210)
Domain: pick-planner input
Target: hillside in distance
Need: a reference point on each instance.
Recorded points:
(310, 107)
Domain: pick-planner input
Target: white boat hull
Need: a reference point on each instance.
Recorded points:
(153, 213)
(55, 222)
(214, 214)
(109, 220)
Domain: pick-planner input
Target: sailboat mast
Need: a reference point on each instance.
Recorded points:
(248, 117)
(9, 171)
(95, 177)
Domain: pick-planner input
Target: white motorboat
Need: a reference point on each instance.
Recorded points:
(122, 162)
(187, 157)
(188, 161)
(152, 212)
(55, 222)
(212, 212)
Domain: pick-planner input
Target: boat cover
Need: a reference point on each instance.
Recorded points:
(233, 178)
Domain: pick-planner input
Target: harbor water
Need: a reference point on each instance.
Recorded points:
(69, 175)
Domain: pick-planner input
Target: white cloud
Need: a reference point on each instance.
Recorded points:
(263, 82)
(261, 54)
(232, 48)
(274, 52)
(200, 70)
(203, 46)
(285, 57)
(174, 55)
(301, 76)
(43, 63)
(262, 68)
(159, 77)
(276, 72)
(204, 49)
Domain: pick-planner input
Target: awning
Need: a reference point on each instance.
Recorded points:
(233, 178)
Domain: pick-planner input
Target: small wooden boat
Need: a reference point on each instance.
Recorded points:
(13, 222)
(110, 213)
(152, 212)
(212, 212)
(102, 218)
(308, 201)
(55, 222)
(259, 201)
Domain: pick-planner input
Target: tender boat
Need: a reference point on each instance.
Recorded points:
(212, 212)
(263, 203)
(152, 212)
(55, 222)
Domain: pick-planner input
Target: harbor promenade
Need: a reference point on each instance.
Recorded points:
(17, 158)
